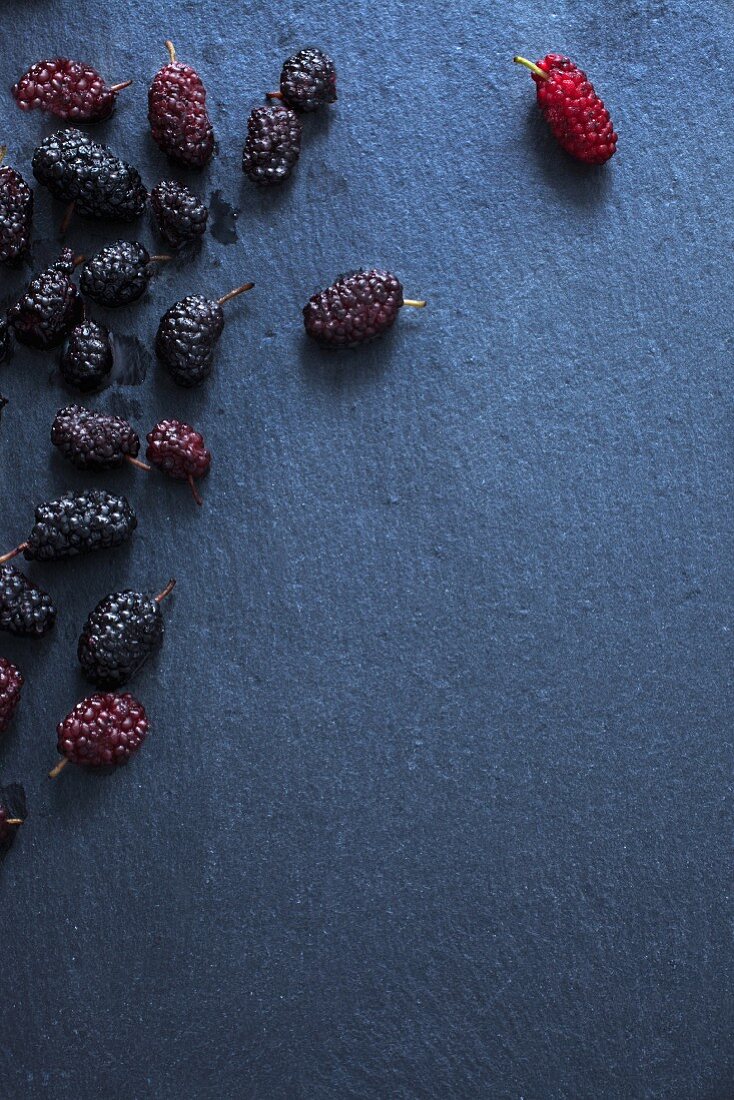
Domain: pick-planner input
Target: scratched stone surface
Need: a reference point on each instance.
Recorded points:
(437, 798)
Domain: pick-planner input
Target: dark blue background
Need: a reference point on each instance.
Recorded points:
(437, 798)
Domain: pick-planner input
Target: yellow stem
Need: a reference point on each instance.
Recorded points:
(536, 69)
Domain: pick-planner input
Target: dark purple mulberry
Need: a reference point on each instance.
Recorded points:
(77, 523)
(273, 144)
(355, 309)
(180, 217)
(11, 681)
(16, 213)
(80, 171)
(49, 307)
(25, 609)
(188, 333)
(87, 358)
(93, 440)
(308, 80)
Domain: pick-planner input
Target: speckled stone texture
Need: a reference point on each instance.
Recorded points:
(436, 803)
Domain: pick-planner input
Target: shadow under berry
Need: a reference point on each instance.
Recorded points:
(582, 184)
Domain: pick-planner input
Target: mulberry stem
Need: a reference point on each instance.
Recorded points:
(13, 553)
(166, 591)
(234, 293)
(66, 220)
(417, 303)
(273, 95)
(118, 87)
(194, 491)
(171, 51)
(57, 770)
(535, 69)
(14, 821)
(136, 462)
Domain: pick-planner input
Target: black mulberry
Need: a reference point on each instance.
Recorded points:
(80, 171)
(119, 636)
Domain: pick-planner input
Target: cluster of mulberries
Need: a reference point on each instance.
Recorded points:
(273, 145)
(126, 627)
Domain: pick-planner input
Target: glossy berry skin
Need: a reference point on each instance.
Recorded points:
(87, 358)
(116, 275)
(308, 80)
(179, 216)
(25, 609)
(11, 682)
(16, 215)
(355, 309)
(71, 90)
(6, 339)
(576, 115)
(273, 145)
(103, 730)
(50, 306)
(178, 450)
(119, 636)
(186, 338)
(79, 523)
(79, 170)
(93, 440)
(178, 117)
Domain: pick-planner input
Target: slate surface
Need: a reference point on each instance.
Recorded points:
(437, 799)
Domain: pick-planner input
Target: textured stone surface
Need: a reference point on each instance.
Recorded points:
(436, 801)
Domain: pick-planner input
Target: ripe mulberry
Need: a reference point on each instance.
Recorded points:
(94, 440)
(355, 309)
(77, 523)
(80, 171)
(576, 115)
(179, 451)
(273, 144)
(308, 80)
(188, 333)
(118, 274)
(103, 730)
(11, 682)
(177, 113)
(16, 213)
(119, 636)
(68, 89)
(179, 216)
(49, 307)
(87, 358)
(25, 609)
